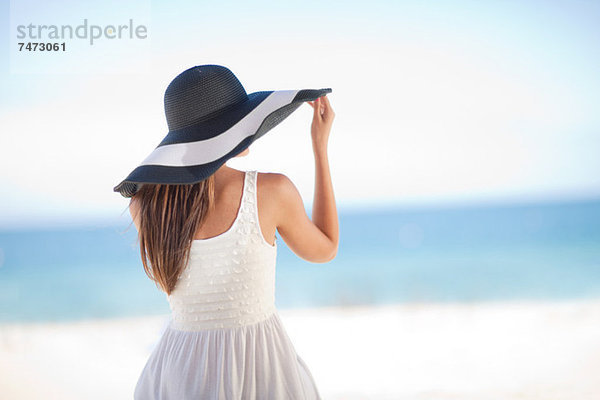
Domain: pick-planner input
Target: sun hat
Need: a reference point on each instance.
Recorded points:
(211, 119)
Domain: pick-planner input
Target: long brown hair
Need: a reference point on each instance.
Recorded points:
(169, 216)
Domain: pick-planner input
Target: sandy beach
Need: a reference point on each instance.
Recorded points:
(494, 350)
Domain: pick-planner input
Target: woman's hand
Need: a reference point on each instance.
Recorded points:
(321, 124)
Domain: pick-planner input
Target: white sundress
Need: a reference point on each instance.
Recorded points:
(224, 339)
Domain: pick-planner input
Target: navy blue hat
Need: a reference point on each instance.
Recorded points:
(211, 119)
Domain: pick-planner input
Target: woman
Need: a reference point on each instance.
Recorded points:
(211, 246)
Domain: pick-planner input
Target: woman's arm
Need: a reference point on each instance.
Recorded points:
(316, 240)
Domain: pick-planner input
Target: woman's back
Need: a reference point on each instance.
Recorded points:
(230, 278)
(229, 188)
(225, 324)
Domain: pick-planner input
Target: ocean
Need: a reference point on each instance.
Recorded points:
(455, 254)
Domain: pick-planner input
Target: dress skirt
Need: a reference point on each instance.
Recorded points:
(256, 361)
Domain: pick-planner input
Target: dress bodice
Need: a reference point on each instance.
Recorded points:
(228, 280)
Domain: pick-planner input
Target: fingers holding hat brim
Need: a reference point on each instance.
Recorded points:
(323, 93)
(311, 94)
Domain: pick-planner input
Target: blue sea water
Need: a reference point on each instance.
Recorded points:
(529, 251)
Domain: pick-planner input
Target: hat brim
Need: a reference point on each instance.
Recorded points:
(192, 154)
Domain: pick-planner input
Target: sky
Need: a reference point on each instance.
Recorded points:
(437, 103)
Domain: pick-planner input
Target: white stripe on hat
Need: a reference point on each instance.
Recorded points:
(205, 151)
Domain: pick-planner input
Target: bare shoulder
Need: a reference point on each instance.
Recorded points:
(273, 179)
(281, 195)
(278, 185)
